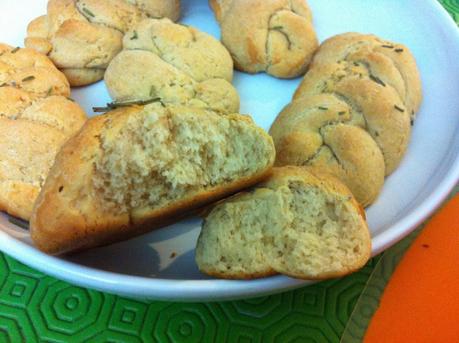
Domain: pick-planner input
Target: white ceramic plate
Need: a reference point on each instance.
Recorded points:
(145, 266)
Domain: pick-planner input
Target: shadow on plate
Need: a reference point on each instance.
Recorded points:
(164, 253)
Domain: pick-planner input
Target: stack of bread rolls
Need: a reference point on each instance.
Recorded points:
(82, 36)
(36, 118)
(172, 141)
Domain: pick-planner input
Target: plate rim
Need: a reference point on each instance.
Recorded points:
(216, 289)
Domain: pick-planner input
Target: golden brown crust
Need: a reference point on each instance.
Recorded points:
(15, 198)
(82, 36)
(355, 82)
(215, 5)
(83, 76)
(27, 150)
(274, 36)
(70, 214)
(36, 118)
(241, 276)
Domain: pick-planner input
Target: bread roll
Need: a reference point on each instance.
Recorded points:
(324, 132)
(36, 118)
(355, 82)
(82, 36)
(296, 223)
(142, 167)
(274, 36)
(175, 63)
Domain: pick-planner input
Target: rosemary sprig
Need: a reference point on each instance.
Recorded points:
(15, 50)
(277, 28)
(323, 108)
(19, 222)
(399, 50)
(399, 108)
(341, 113)
(88, 12)
(377, 80)
(134, 35)
(387, 46)
(113, 105)
(28, 78)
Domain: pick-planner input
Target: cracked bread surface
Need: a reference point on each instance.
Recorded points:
(175, 63)
(274, 36)
(142, 167)
(364, 92)
(297, 223)
(36, 118)
(82, 36)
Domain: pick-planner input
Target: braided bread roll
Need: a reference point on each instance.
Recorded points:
(274, 36)
(36, 118)
(352, 113)
(82, 36)
(175, 63)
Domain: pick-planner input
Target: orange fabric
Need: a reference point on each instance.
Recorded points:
(421, 301)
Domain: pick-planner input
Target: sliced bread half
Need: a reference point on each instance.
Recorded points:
(297, 223)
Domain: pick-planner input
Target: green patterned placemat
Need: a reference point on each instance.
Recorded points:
(453, 8)
(38, 308)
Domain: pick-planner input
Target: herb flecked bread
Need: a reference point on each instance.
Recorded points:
(82, 36)
(351, 116)
(175, 63)
(141, 167)
(274, 36)
(297, 223)
(36, 118)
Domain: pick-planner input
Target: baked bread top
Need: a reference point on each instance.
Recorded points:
(274, 36)
(36, 117)
(137, 168)
(325, 133)
(175, 63)
(82, 36)
(378, 79)
(296, 223)
(387, 63)
(352, 113)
